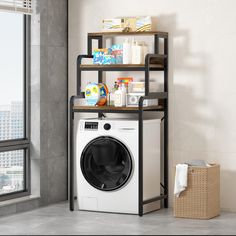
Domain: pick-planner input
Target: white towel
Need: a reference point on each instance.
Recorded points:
(181, 179)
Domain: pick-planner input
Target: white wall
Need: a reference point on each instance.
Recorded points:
(202, 74)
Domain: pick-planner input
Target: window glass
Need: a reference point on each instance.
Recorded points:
(11, 76)
(11, 171)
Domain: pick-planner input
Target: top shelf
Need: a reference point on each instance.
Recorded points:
(159, 33)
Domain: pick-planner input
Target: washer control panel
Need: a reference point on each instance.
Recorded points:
(91, 126)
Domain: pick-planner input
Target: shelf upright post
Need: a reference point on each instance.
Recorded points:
(140, 181)
(89, 43)
(156, 44)
(90, 48)
(100, 73)
(156, 49)
(79, 59)
(147, 74)
(71, 170)
(166, 165)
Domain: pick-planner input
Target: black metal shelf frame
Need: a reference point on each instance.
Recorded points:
(141, 109)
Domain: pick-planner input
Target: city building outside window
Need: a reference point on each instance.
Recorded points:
(14, 105)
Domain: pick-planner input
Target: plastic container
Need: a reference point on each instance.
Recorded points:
(120, 97)
(103, 94)
(136, 53)
(112, 94)
(92, 94)
(127, 53)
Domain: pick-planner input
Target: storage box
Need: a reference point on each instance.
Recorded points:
(117, 52)
(140, 23)
(201, 199)
(115, 24)
(102, 56)
(139, 87)
(106, 56)
(132, 100)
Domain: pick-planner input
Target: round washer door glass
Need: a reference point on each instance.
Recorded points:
(106, 163)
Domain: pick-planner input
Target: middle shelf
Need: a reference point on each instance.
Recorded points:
(153, 62)
(121, 67)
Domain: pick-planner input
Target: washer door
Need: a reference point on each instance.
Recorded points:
(106, 163)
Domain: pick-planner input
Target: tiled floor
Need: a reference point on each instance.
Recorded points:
(57, 219)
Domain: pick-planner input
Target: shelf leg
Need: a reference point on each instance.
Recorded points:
(166, 166)
(100, 73)
(166, 156)
(141, 157)
(71, 170)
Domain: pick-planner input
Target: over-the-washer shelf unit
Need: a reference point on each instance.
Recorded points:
(153, 62)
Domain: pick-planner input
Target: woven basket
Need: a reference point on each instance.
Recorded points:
(201, 199)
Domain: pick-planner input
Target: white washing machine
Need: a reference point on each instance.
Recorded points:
(107, 165)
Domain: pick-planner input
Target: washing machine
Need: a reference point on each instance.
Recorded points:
(107, 165)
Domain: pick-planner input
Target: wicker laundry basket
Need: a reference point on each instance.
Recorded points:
(201, 199)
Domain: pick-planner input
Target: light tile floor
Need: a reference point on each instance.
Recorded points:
(57, 219)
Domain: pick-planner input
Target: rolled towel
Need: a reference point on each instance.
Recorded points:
(181, 179)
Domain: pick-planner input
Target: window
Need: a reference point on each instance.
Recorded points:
(12, 172)
(14, 120)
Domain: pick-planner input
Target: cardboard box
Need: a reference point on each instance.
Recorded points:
(141, 23)
(114, 25)
(201, 199)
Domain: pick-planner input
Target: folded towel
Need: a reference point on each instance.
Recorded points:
(200, 163)
(181, 179)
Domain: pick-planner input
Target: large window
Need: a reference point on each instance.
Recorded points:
(14, 120)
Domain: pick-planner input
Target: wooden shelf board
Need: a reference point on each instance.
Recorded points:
(113, 108)
(120, 66)
(107, 33)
